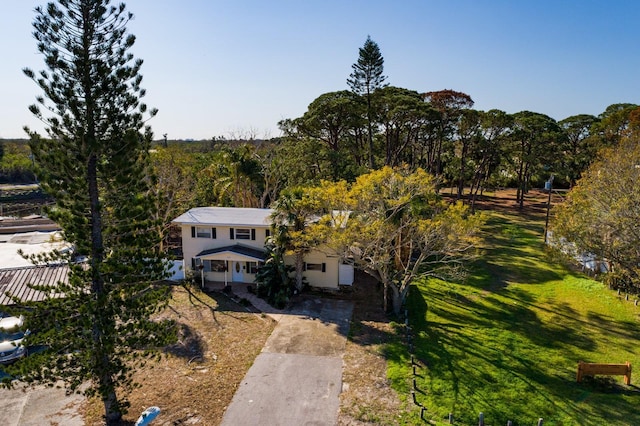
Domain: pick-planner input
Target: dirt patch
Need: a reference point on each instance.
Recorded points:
(197, 378)
(367, 396)
(504, 200)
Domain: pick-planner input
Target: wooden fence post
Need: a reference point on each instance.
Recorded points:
(627, 377)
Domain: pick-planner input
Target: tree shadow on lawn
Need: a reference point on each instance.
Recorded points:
(563, 315)
(512, 252)
(492, 364)
(191, 345)
(517, 314)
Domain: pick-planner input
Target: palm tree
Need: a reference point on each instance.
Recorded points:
(292, 214)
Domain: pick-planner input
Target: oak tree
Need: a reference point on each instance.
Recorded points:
(579, 150)
(536, 140)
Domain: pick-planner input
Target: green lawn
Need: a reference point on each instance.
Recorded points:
(508, 340)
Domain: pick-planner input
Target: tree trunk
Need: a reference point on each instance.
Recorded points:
(385, 298)
(519, 194)
(463, 159)
(397, 299)
(111, 406)
(299, 270)
(370, 129)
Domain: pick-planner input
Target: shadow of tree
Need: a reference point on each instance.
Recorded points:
(498, 349)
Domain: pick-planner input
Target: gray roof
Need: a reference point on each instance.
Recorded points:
(15, 282)
(225, 216)
(237, 249)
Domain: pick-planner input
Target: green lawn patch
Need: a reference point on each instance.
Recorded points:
(507, 342)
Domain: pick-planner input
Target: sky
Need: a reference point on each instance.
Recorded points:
(235, 68)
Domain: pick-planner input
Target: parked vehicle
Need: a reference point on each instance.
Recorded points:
(11, 337)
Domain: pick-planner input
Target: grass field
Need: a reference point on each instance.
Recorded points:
(508, 340)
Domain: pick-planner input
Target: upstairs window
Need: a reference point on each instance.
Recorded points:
(243, 234)
(203, 232)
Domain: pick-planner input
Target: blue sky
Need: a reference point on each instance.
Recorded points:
(237, 67)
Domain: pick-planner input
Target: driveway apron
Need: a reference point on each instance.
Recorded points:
(297, 378)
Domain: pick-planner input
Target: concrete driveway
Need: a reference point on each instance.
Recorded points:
(39, 406)
(297, 378)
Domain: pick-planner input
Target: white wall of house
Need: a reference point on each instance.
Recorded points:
(321, 269)
(191, 245)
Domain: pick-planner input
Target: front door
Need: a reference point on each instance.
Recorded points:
(237, 274)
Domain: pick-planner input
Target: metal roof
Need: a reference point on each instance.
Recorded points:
(15, 282)
(232, 216)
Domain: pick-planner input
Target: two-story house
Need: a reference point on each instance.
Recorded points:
(227, 244)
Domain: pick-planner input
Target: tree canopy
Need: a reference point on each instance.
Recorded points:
(601, 215)
(398, 228)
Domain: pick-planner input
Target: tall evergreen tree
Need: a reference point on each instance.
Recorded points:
(95, 163)
(365, 79)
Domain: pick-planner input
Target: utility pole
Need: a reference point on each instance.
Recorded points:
(549, 187)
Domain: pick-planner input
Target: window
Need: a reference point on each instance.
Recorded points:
(203, 232)
(218, 265)
(195, 263)
(243, 234)
(316, 267)
(208, 265)
(252, 267)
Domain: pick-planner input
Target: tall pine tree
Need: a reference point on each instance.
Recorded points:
(365, 79)
(95, 163)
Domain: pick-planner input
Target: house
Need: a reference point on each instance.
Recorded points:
(227, 244)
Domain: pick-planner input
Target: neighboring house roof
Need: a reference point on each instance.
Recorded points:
(30, 243)
(225, 216)
(219, 253)
(12, 225)
(14, 282)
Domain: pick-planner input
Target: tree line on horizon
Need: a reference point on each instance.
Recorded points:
(346, 133)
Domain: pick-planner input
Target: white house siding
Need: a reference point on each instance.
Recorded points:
(318, 278)
(192, 246)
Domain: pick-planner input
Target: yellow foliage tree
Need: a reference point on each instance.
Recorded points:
(398, 228)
